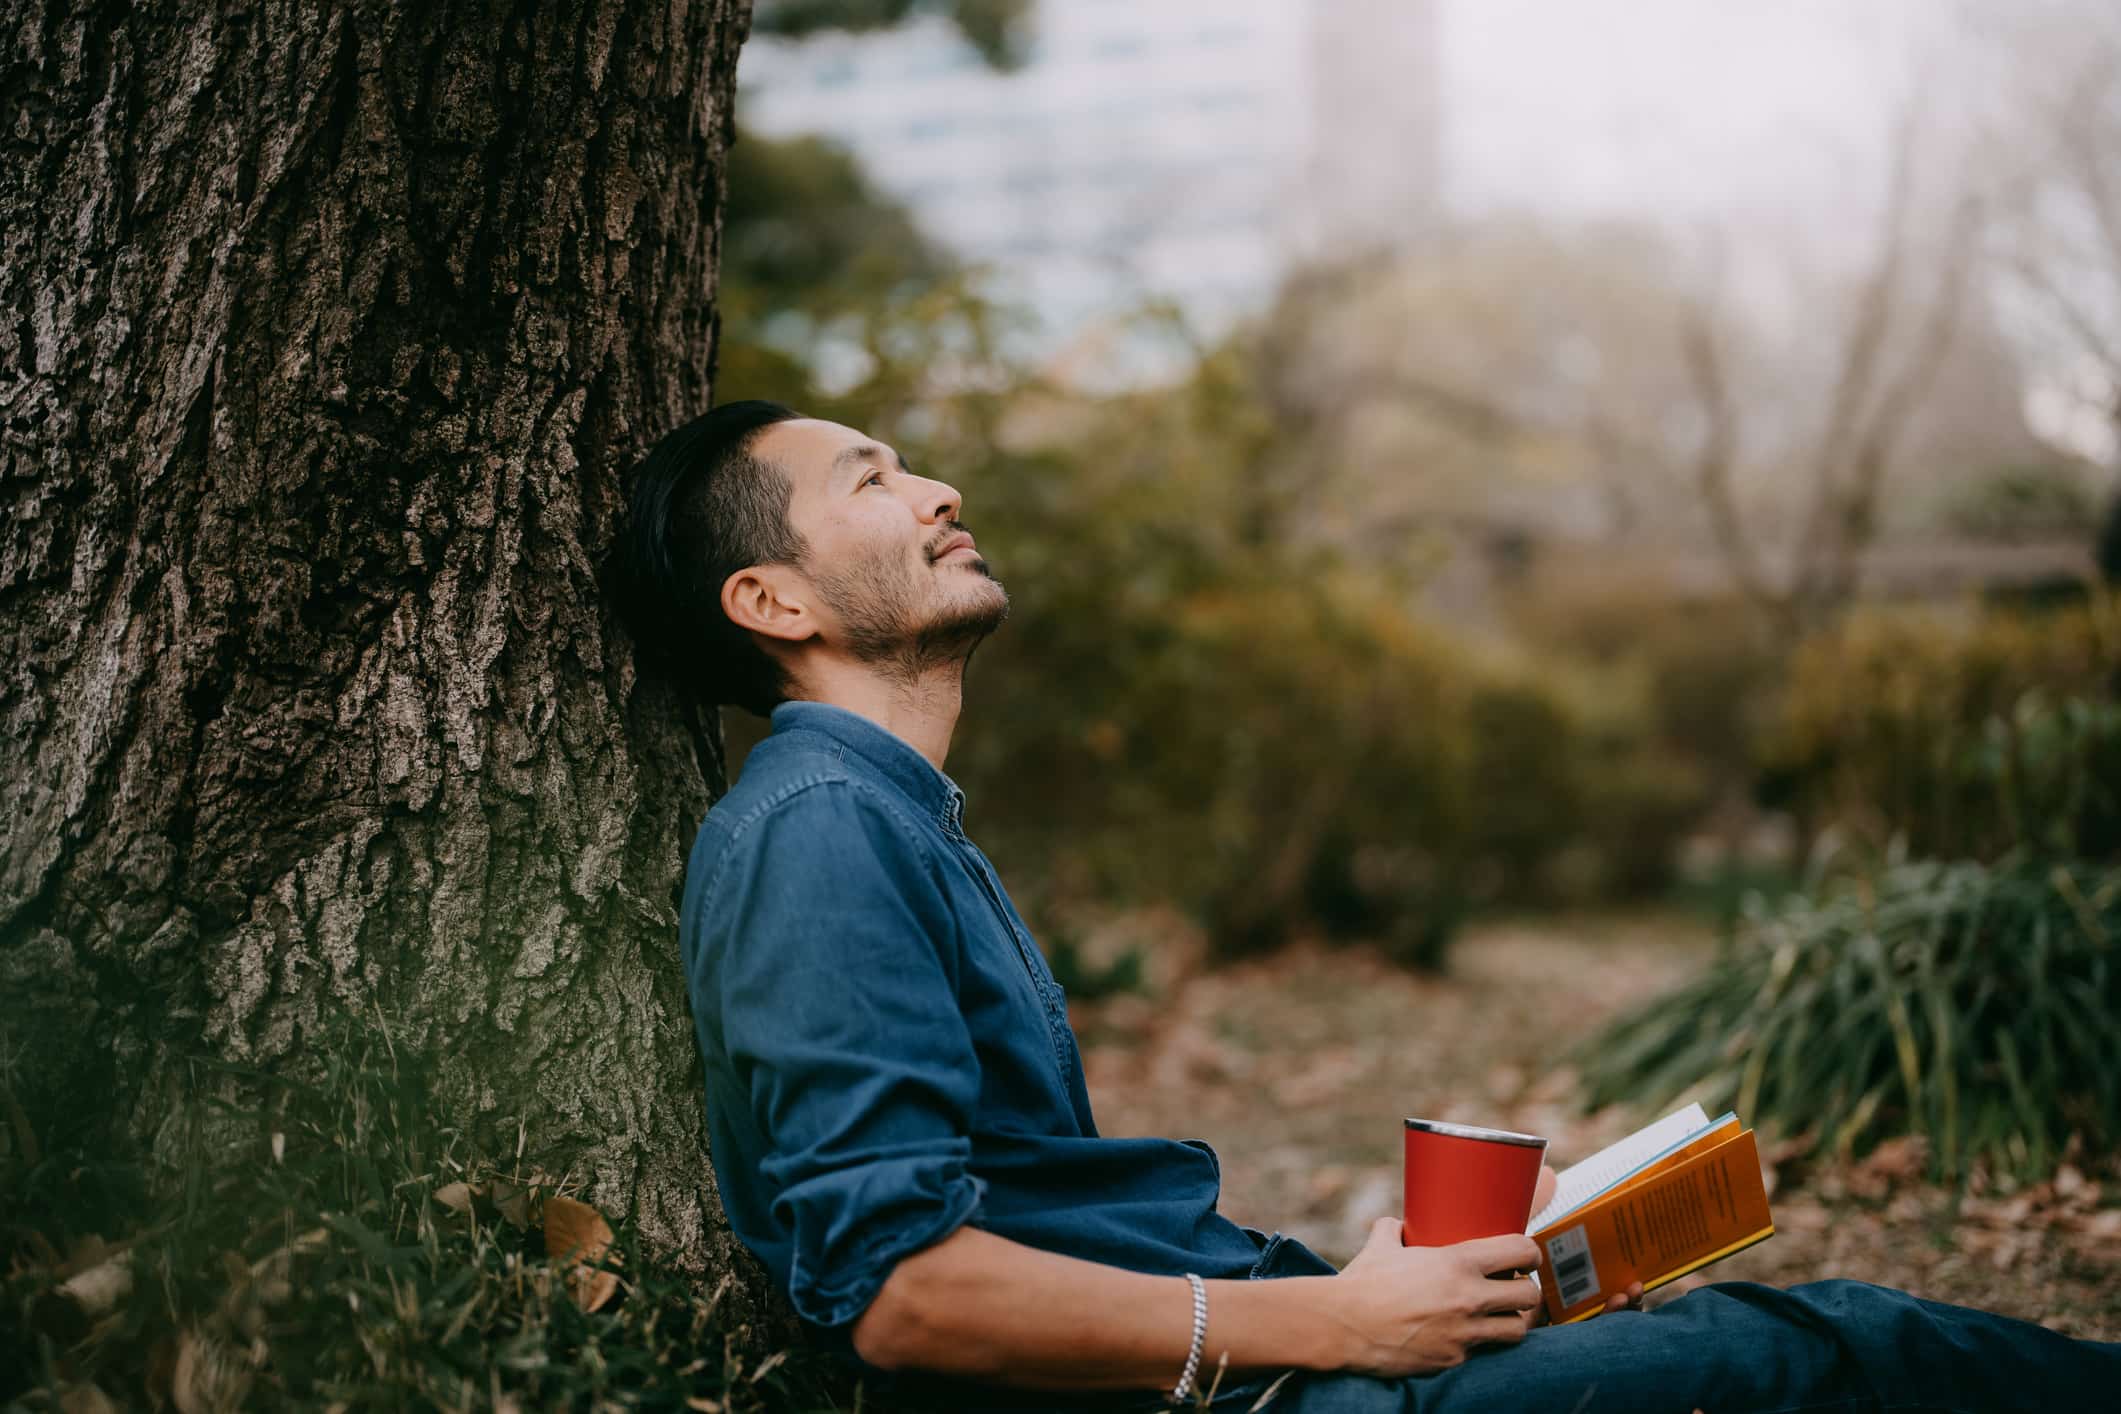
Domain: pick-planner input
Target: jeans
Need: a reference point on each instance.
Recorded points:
(1741, 1348)
(1731, 1348)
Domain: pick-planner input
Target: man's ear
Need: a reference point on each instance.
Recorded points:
(769, 599)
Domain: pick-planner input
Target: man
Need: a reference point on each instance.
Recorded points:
(898, 1113)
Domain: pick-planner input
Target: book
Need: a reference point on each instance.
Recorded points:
(1667, 1200)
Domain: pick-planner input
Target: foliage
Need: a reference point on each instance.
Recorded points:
(1978, 1005)
(1191, 705)
(806, 233)
(1964, 737)
(2022, 502)
(2107, 551)
(1704, 672)
(993, 27)
(296, 1255)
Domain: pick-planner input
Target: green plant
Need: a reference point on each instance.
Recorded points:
(1965, 736)
(2022, 501)
(316, 1242)
(1978, 1005)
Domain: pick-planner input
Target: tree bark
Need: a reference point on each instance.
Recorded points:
(327, 329)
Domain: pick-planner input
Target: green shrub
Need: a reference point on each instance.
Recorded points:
(1978, 1005)
(293, 1254)
(2023, 501)
(1699, 668)
(1961, 737)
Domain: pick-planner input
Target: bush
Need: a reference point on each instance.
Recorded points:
(2025, 501)
(1964, 738)
(298, 1255)
(1978, 1005)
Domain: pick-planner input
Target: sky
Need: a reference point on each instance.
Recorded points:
(1692, 110)
(1764, 125)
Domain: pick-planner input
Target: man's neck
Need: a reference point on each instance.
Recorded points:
(921, 712)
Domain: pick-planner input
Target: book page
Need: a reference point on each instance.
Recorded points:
(1579, 1183)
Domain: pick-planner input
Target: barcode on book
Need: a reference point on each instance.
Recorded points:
(1575, 1276)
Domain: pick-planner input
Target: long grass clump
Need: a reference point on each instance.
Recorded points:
(1976, 1004)
(331, 1244)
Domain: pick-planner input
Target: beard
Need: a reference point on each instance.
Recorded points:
(910, 619)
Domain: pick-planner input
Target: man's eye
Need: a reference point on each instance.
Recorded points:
(876, 478)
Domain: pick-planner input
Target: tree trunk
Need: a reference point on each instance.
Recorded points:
(329, 328)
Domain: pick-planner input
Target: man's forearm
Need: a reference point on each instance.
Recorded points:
(982, 1306)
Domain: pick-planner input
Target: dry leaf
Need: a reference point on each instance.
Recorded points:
(454, 1196)
(590, 1288)
(161, 1370)
(209, 1377)
(574, 1230)
(86, 1399)
(1893, 1162)
(100, 1288)
(512, 1200)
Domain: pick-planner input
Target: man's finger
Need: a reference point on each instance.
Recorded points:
(1621, 1300)
(1495, 1330)
(1499, 1296)
(1543, 1190)
(1511, 1252)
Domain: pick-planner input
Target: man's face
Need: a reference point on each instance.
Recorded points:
(898, 576)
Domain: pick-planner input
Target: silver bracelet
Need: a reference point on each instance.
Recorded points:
(1200, 1336)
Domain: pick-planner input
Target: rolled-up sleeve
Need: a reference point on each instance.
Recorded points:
(835, 983)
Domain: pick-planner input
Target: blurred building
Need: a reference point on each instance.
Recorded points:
(1374, 150)
(1180, 148)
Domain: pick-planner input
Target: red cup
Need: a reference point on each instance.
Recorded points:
(1464, 1182)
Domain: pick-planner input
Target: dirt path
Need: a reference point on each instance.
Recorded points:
(1299, 1068)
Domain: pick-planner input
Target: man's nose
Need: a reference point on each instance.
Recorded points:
(936, 500)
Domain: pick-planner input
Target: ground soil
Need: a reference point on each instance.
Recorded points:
(1299, 1067)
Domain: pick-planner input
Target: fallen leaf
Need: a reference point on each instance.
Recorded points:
(1894, 1162)
(209, 1377)
(575, 1231)
(513, 1201)
(100, 1288)
(454, 1196)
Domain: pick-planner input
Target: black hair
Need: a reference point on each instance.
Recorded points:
(702, 508)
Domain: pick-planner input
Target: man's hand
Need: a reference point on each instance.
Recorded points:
(1410, 1310)
(1543, 1191)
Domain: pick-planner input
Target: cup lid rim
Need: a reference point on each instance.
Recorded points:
(1474, 1131)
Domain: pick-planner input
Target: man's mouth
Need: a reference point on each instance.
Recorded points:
(959, 541)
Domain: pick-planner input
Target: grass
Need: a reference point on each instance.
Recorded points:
(1976, 1005)
(291, 1252)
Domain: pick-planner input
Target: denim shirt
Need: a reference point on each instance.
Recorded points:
(887, 1054)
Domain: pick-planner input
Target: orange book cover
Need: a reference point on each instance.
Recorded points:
(1700, 1204)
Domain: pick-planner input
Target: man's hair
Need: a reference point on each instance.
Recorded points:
(703, 507)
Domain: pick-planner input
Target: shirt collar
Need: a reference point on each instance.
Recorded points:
(889, 755)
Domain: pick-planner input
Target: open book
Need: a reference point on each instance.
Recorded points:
(1667, 1200)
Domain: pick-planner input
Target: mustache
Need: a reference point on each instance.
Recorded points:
(950, 531)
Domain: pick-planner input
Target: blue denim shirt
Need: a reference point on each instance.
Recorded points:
(887, 1054)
